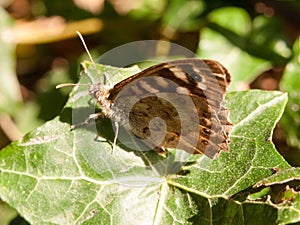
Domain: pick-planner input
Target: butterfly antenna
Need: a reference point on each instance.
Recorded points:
(89, 54)
(65, 85)
(68, 85)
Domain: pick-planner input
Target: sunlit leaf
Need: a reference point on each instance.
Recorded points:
(56, 175)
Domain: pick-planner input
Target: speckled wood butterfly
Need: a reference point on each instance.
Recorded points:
(176, 104)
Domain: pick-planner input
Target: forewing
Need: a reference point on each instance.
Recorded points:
(187, 95)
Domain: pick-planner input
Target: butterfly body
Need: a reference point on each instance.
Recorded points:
(177, 104)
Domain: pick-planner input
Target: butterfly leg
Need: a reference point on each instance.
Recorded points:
(93, 117)
(160, 150)
(116, 137)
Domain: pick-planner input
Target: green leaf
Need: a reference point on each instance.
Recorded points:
(243, 67)
(181, 15)
(246, 47)
(282, 176)
(268, 41)
(291, 83)
(289, 211)
(220, 42)
(190, 208)
(10, 96)
(260, 194)
(288, 200)
(237, 20)
(148, 9)
(56, 175)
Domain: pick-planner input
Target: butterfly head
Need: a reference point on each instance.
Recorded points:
(100, 92)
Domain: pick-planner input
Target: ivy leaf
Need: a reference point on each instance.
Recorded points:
(282, 176)
(287, 199)
(59, 175)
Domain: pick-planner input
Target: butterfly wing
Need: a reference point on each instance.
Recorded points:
(177, 104)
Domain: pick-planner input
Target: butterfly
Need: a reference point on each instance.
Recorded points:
(176, 104)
